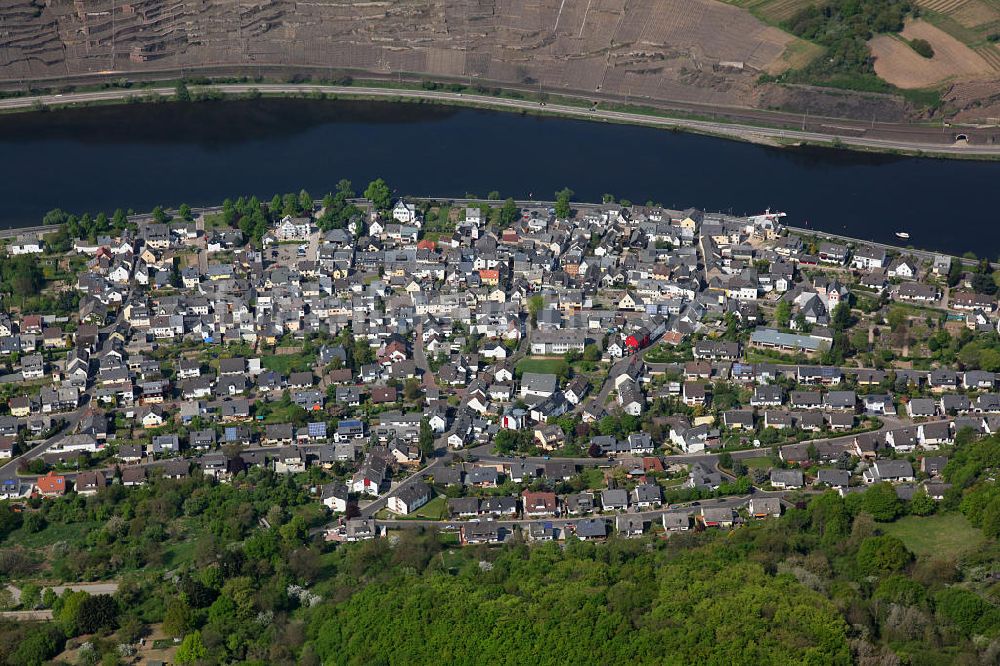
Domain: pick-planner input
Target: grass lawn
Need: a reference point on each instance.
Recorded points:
(593, 477)
(291, 413)
(756, 463)
(287, 363)
(448, 538)
(945, 535)
(72, 533)
(543, 365)
(663, 353)
(179, 553)
(436, 509)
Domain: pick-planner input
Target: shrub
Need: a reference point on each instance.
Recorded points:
(881, 554)
(923, 47)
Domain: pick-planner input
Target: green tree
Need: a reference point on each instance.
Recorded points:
(181, 92)
(97, 612)
(535, 304)
(897, 317)
(43, 642)
(178, 617)
(965, 609)
(841, 318)
(783, 313)
(295, 531)
(954, 273)
(191, 649)
(426, 438)
(31, 596)
(923, 47)
(68, 612)
(881, 501)
(411, 389)
(562, 207)
(829, 518)
(380, 195)
(990, 522)
(160, 215)
(921, 504)
(508, 213)
(362, 353)
(305, 202)
(882, 554)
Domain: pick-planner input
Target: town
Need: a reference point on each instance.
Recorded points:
(491, 369)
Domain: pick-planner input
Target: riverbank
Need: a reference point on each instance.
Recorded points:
(928, 255)
(563, 106)
(107, 157)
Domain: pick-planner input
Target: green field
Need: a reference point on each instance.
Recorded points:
(284, 364)
(757, 463)
(544, 365)
(53, 533)
(944, 535)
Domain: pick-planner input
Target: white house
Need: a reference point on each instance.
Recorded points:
(27, 245)
(293, 228)
(404, 213)
(410, 498)
(335, 497)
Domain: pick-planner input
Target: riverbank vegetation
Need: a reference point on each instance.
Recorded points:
(478, 96)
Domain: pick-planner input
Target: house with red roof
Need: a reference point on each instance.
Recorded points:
(51, 485)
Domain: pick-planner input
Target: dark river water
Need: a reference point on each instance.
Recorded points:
(137, 157)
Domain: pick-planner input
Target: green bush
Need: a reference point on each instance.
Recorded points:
(923, 47)
(882, 554)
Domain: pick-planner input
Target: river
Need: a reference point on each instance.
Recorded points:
(140, 156)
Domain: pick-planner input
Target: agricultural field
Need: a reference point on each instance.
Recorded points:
(662, 49)
(774, 11)
(900, 65)
(972, 22)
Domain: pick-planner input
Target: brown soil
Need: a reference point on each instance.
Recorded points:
(661, 49)
(900, 65)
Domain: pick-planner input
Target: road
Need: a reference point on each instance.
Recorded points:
(9, 468)
(420, 359)
(377, 505)
(902, 137)
(647, 516)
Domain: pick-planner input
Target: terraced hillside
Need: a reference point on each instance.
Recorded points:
(693, 50)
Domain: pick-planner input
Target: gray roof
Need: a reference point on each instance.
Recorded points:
(834, 477)
(614, 497)
(591, 528)
(789, 477)
(767, 336)
(893, 469)
(539, 382)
